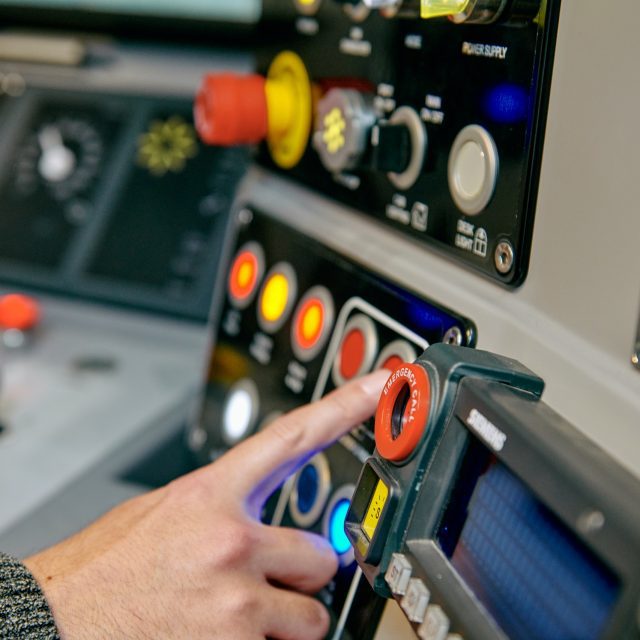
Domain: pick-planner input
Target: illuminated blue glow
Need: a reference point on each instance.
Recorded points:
(337, 536)
(507, 104)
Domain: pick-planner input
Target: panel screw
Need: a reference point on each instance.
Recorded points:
(245, 216)
(503, 257)
(453, 336)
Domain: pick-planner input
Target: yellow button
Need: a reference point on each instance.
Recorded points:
(374, 511)
(275, 297)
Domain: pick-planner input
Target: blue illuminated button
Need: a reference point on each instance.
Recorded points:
(311, 487)
(333, 524)
(337, 535)
(307, 488)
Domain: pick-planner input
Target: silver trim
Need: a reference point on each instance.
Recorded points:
(308, 519)
(271, 326)
(348, 603)
(408, 117)
(474, 133)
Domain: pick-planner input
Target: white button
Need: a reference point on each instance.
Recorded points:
(473, 169)
(470, 171)
(415, 600)
(435, 625)
(398, 574)
(240, 411)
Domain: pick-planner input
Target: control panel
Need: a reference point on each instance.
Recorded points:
(299, 320)
(486, 515)
(112, 197)
(427, 116)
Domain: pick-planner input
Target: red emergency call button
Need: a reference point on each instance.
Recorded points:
(312, 322)
(403, 412)
(18, 311)
(245, 274)
(231, 109)
(357, 349)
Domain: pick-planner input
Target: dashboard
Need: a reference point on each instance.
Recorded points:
(250, 205)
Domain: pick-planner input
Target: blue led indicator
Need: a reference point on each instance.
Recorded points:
(507, 104)
(337, 536)
(307, 488)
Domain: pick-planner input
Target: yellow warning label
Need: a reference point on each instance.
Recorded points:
(374, 511)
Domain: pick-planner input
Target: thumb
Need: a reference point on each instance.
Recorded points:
(260, 464)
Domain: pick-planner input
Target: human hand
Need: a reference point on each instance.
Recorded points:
(192, 559)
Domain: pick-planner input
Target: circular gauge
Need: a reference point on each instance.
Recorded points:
(63, 155)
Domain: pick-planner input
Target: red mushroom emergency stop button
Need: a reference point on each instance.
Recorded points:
(18, 312)
(232, 110)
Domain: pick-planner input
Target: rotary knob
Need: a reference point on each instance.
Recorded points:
(344, 121)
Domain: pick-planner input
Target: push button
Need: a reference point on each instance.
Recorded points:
(415, 600)
(310, 492)
(312, 323)
(398, 574)
(435, 625)
(357, 349)
(473, 169)
(395, 354)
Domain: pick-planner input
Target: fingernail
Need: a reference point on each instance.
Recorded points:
(373, 383)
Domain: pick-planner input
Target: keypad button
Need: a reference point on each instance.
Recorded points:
(435, 625)
(398, 574)
(415, 600)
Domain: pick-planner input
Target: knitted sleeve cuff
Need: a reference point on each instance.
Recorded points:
(24, 612)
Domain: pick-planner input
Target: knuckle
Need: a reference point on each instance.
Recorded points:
(290, 431)
(235, 545)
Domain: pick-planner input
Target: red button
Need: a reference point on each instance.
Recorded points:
(352, 353)
(18, 311)
(231, 109)
(392, 363)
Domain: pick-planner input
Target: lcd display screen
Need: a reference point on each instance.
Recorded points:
(529, 570)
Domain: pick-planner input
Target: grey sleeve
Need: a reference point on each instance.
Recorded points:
(24, 612)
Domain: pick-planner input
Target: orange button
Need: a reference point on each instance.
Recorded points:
(231, 109)
(403, 412)
(18, 311)
(244, 275)
(310, 323)
(246, 271)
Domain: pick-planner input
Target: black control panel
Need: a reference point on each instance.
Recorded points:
(485, 514)
(298, 321)
(112, 197)
(432, 126)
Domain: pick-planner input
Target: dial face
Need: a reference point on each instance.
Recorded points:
(63, 156)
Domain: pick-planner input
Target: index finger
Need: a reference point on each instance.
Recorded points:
(271, 455)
